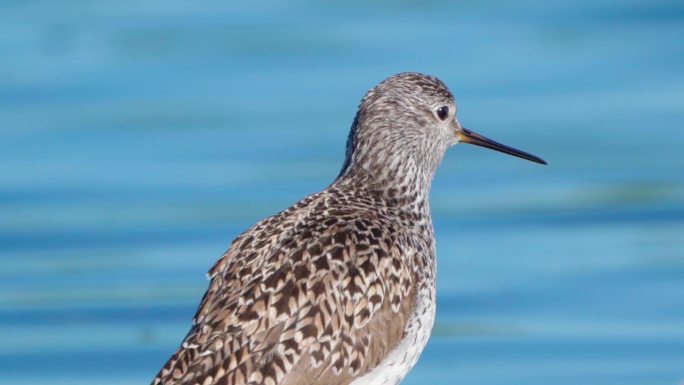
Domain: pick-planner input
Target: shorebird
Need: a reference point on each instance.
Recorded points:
(339, 288)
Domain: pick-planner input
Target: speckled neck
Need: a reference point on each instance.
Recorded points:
(383, 159)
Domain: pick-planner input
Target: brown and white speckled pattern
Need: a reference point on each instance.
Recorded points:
(339, 288)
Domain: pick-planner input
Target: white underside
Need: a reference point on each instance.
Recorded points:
(400, 360)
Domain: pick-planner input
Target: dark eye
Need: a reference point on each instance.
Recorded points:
(443, 112)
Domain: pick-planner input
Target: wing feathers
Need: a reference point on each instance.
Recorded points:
(304, 305)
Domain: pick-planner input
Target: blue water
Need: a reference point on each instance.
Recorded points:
(137, 138)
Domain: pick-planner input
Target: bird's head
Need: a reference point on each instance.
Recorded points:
(405, 124)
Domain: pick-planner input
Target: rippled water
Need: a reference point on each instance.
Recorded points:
(139, 137)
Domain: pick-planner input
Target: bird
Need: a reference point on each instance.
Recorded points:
(339, 288)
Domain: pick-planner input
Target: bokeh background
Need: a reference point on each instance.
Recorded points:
(138, 138)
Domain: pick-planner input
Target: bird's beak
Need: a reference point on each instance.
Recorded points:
(466, 136)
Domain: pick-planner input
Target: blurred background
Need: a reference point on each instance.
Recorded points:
(138, 138)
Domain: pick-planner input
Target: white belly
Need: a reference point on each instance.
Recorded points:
(397, 364)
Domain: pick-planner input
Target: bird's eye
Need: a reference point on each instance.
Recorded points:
(443, 112)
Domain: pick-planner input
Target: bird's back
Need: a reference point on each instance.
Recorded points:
(320, 293)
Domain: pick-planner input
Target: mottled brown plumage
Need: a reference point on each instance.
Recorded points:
(339, 288)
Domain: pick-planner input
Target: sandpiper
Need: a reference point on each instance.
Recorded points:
(340, 287)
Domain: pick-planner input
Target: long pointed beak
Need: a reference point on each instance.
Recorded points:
(467, 136)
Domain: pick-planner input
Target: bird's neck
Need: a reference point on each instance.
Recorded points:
(390, 162)
(401, 183)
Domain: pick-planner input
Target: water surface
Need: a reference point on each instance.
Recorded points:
(139, 137)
